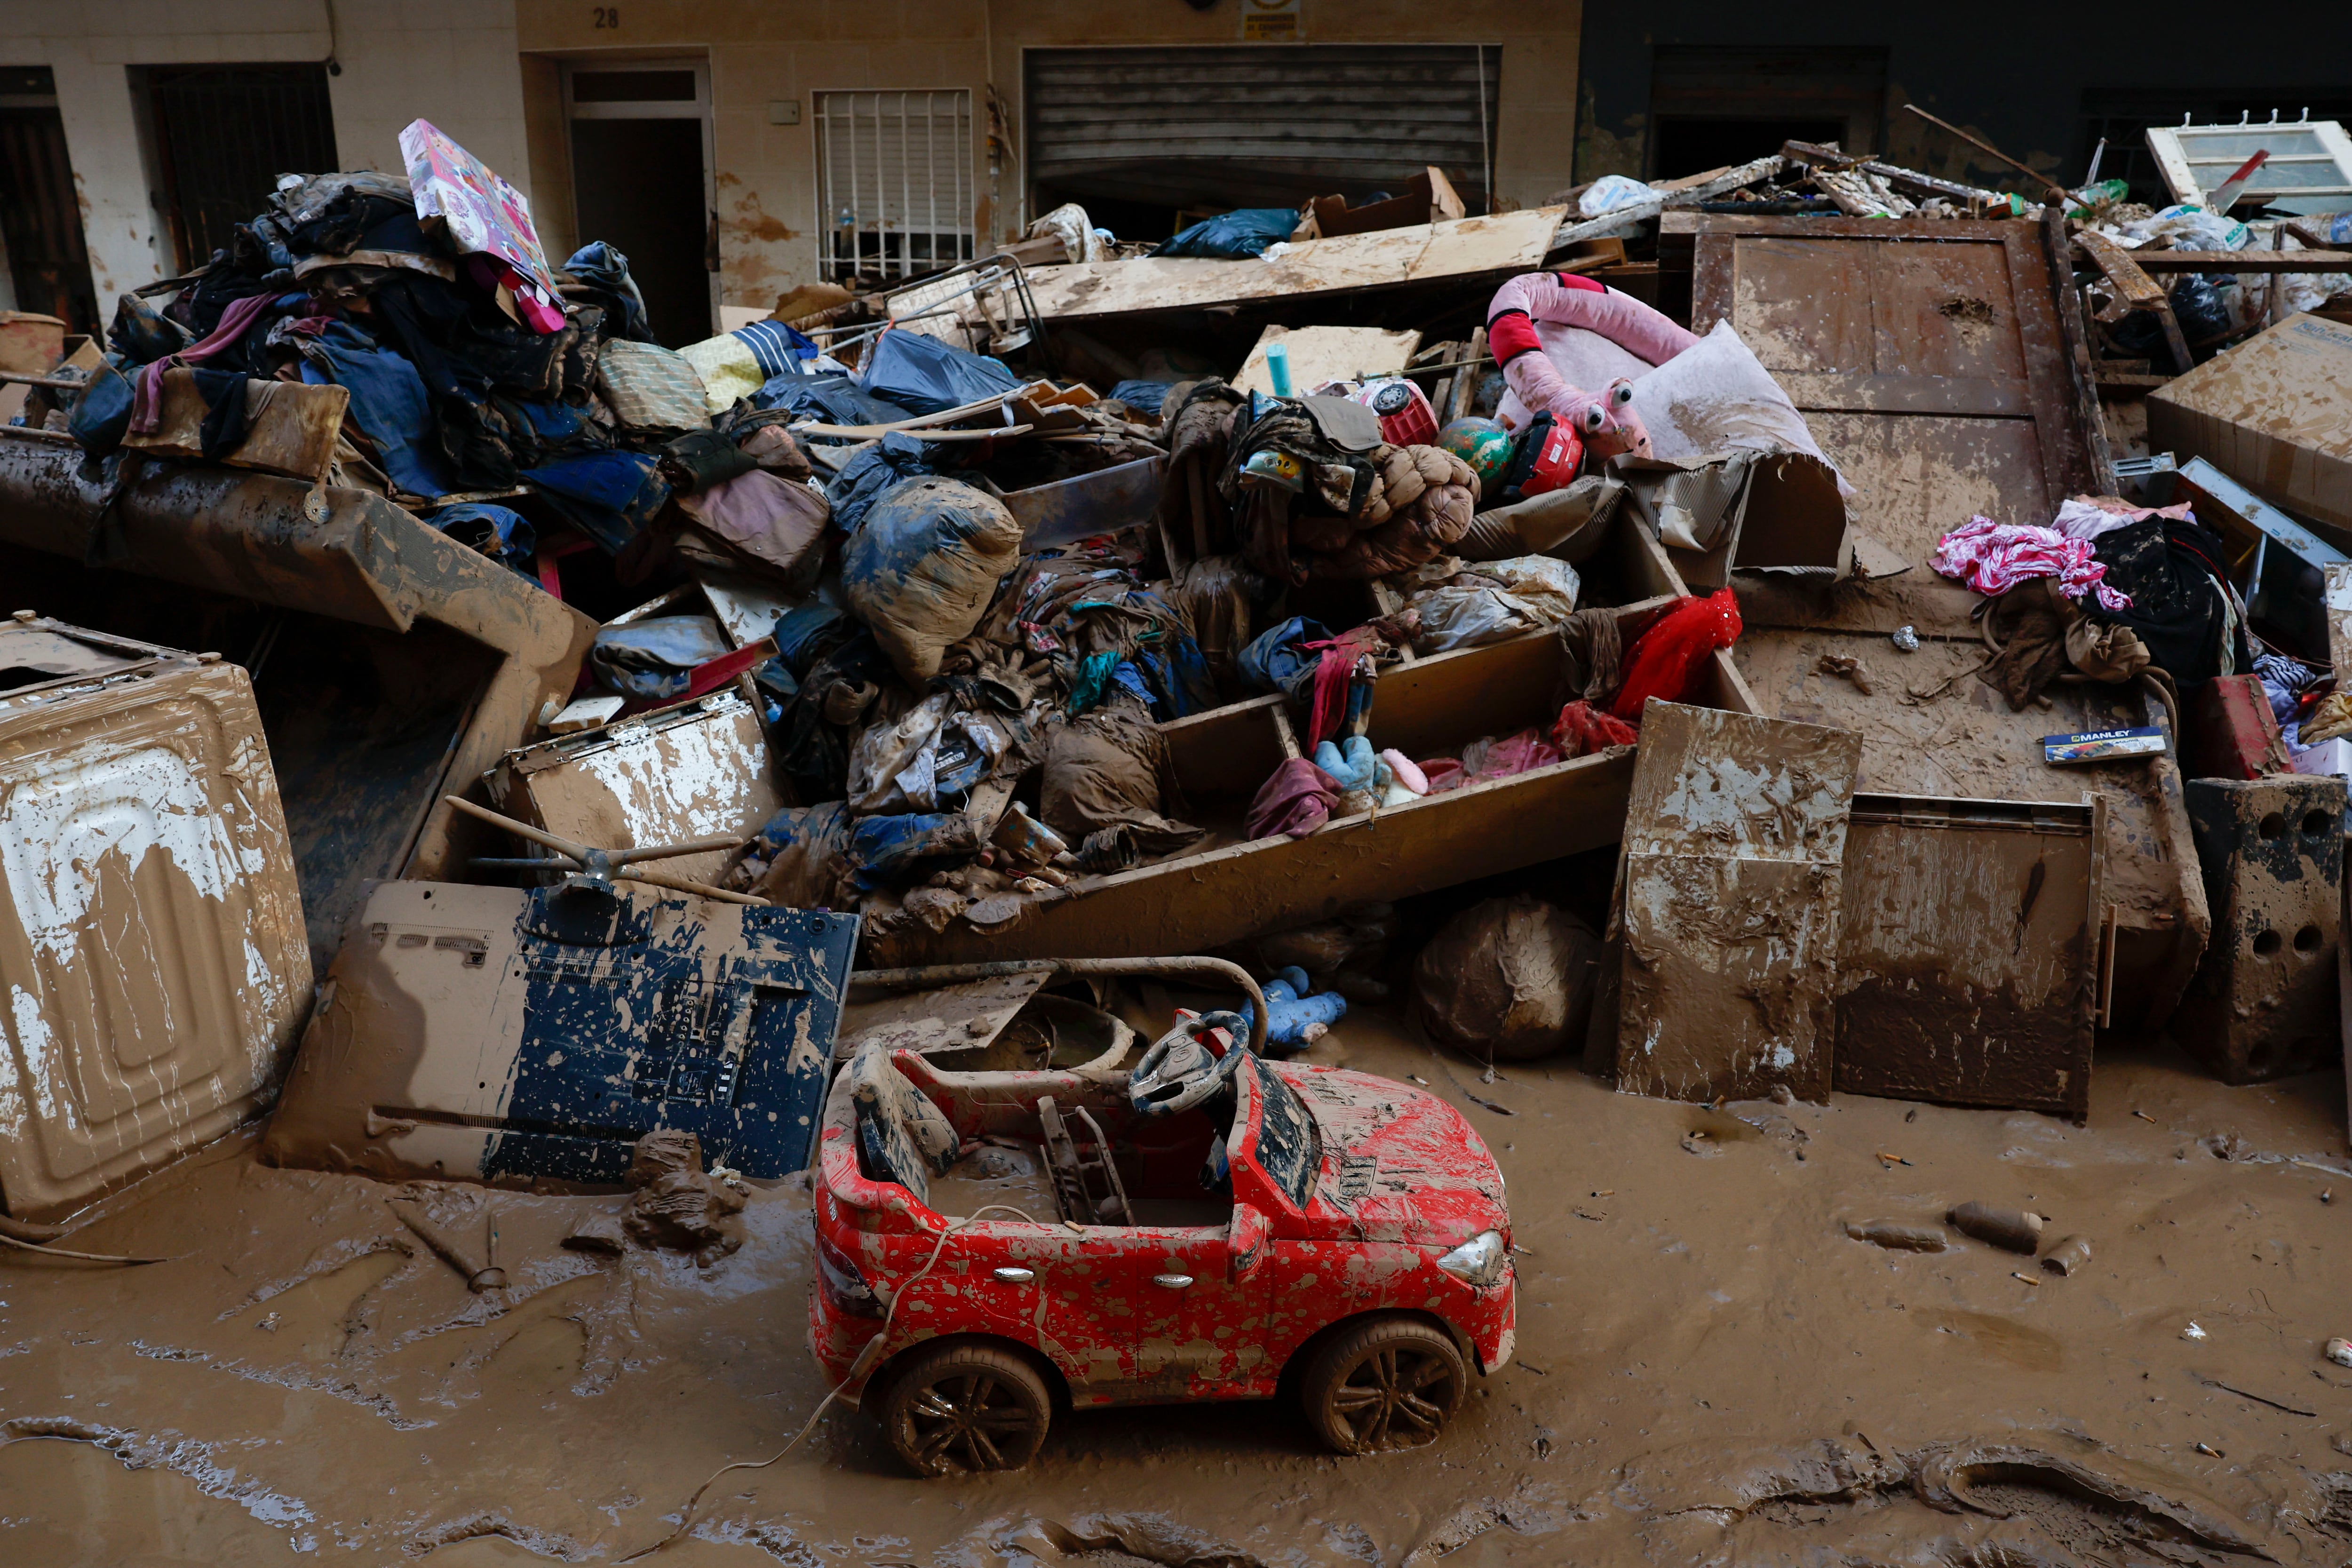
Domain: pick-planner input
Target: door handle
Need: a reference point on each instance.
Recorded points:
(1171, 1281)
(1015, 1276)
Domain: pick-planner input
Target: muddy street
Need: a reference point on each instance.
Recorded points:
(1709, 1368)
(1229, 785)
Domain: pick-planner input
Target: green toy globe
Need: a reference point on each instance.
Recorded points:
(1483, 444)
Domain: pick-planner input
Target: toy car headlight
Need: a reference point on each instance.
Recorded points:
(1477, 1262)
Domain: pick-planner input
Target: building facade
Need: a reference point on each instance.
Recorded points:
(737, 149)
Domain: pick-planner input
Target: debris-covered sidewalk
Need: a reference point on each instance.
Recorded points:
(1096, 827)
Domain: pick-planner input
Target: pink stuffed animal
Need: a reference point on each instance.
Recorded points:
(1605, 420)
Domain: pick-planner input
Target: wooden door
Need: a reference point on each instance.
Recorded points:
(1931, 361)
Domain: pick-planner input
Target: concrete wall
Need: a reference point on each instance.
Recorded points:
(452, 61)
(762, 51)
(2014, 73)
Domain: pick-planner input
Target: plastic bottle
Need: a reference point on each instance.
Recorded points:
(1277, 366)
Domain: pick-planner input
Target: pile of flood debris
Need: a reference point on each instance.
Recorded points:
(1768, 631)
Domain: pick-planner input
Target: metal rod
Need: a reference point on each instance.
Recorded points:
(2049, 189)
(522, 830)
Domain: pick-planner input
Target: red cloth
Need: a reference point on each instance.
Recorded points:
(1297, 798)
(1330, 694)
(1663, 661)
(1582, 729)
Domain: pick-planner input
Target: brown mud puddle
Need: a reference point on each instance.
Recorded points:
(1709, 1369)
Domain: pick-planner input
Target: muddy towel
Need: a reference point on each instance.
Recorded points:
(1109, 769)
(1297, 798)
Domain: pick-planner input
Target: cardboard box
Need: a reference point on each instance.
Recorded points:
(2274, 413)
(1745, 512)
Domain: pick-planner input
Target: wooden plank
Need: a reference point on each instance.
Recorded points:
(2135, 289)
(1202, 902)
(1930, 728)
(2065, 462)
(1805, 305)
(1499, 242)
(1952, 230)
(1685, 193)
(1951, 309)
(2243, 260)
(1714, 268)
(1318, 354)
(2074, 335)
(1926, 1007)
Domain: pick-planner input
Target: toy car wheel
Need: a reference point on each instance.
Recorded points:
(1386, 1383)
(966, 1407)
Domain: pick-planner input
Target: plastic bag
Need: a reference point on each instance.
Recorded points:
(928, 375)
(1537, 591)
(829, 399)
(1507, 980)
(921, 569)
(1243, 232)
(1719, 396)
(873, 474)
(2200, 306)
(1611, 192)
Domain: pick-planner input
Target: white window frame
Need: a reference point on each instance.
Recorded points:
(2186, 164)
(945, 201)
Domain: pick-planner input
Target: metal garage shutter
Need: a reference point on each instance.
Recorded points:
(1259, 125)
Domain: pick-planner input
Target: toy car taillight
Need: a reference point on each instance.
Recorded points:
(838, 1276)
(1477, 1262)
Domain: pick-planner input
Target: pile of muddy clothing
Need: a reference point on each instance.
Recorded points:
(2106, 592)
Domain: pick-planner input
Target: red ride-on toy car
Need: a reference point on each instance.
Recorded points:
(1195, 1229)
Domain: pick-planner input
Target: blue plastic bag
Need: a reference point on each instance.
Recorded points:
(1243, 232)
(873, 474)
(926, 375)
(831, 398)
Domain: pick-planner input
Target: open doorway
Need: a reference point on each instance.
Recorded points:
(1712, 105)
(45, 266)
(641, 181)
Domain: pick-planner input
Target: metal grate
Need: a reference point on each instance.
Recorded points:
(223, 135)
(1212, 127)
(894, 182)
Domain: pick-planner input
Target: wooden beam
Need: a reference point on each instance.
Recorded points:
(2243, 260)
(2135, 289)
(1683, 195)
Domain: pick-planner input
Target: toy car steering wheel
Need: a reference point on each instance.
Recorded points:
(1179, 1072)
